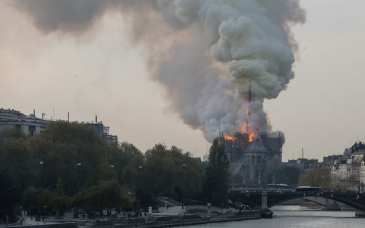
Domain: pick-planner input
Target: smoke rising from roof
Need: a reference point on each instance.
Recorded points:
(206, 53)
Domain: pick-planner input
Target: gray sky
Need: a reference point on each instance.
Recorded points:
(101, 72)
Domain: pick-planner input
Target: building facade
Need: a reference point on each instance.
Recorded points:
(348, 171)
(303, 164)
(253, 158)
(28, 125)
(31, 125)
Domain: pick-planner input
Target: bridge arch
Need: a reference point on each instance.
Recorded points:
(273, 198)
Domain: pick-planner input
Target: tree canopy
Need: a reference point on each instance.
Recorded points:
(68, 164)
(319, 176)
(217, 175)
(285, 175)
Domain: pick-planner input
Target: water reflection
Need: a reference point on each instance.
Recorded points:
(297, 216)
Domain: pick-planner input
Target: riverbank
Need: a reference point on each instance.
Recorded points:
(171, 217)
(158, 222)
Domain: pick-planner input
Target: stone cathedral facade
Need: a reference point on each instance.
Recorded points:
(253, 158)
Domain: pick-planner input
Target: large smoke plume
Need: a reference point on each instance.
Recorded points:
(206, 53)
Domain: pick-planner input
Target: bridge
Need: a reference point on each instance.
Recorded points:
(269, 199)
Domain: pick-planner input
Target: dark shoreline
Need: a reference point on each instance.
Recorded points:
(154, 222)
(191, 223)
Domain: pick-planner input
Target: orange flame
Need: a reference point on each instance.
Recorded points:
(228, 137)
(251, 135)
(244, 129)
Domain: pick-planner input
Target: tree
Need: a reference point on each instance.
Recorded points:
(61, 146)
(60, 201)
(179, 175)
(285, 175)
(106, 194)
(133, 160)
(344, 184)
(11, 133)
(9, 197)
(320, 176)
(217, 175)
(16, 159)
(44, 201)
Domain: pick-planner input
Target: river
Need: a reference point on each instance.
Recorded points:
(297, 216)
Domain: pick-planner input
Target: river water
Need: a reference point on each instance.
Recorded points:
(297, 216)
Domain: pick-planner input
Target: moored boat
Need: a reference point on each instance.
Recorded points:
(266, 213)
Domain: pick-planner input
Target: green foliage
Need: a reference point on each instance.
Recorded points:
(61, 146)
(217, 175)
(133, 158)
(285, 175)
(8, 196)
(44, 199)
(178, 174)
(203, 166)
(38, 201)
(320, 176)
(50, 201)
(107, 194)
(106, 174)
(11, 134)
(16, 159)
(60, 201)
(29, 200)
(348, 183)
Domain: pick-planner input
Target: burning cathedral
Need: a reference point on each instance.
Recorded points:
(253, 154)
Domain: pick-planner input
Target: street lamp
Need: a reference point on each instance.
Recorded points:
(77, 189)
(112, 167)
(40, 184)
(41, 179)
(182, 194)
(139, 171)
(140, 185)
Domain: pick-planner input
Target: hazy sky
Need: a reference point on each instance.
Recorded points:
(101, 72)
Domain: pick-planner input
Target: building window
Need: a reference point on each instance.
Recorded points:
(31, 130)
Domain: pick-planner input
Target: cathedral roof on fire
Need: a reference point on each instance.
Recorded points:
(255, 146)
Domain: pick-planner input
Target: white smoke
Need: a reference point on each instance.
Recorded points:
(206, 53)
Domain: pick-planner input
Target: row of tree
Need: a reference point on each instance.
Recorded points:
(320, 177)
(68, 165)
